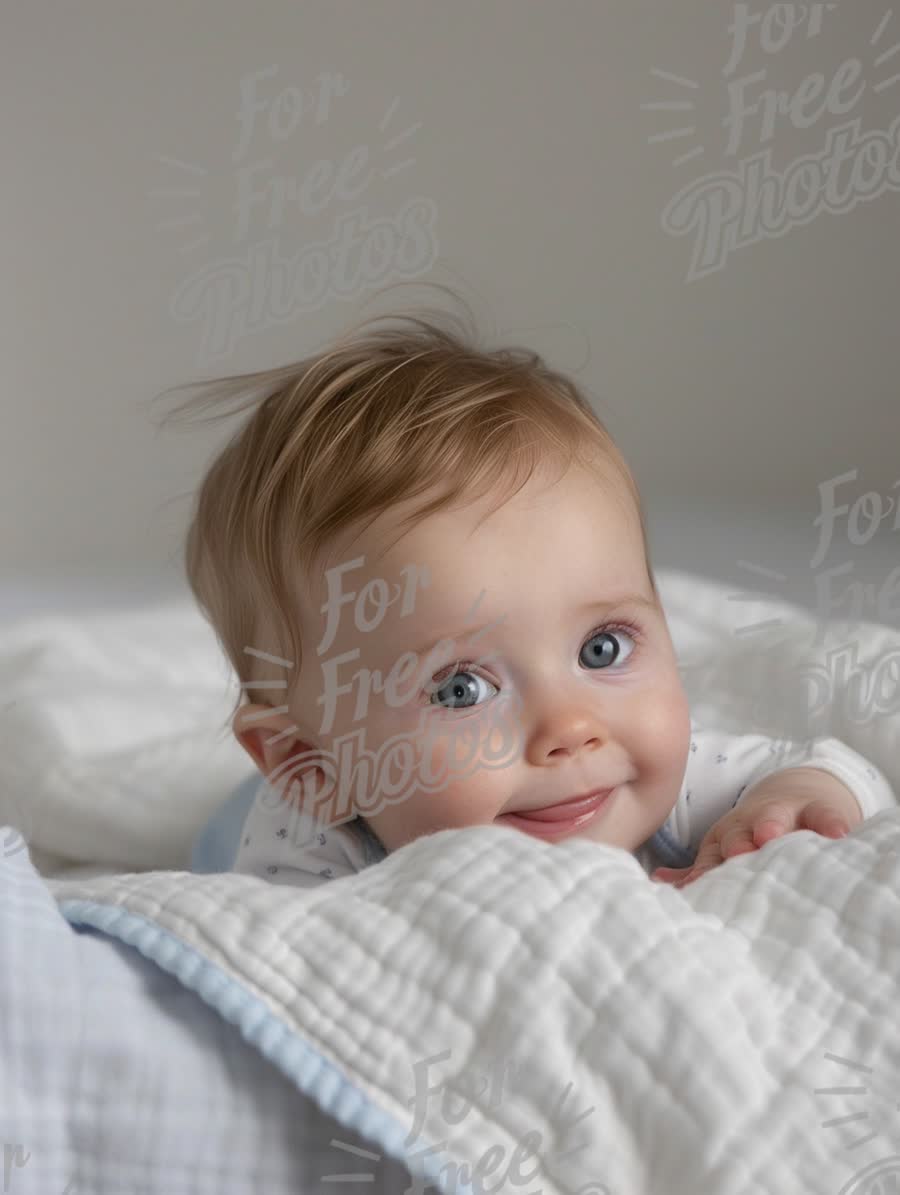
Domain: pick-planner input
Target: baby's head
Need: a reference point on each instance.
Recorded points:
(388, 497)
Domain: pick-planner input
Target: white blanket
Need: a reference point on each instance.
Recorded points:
(737, 1035)
(114, 744)
(741, 1035)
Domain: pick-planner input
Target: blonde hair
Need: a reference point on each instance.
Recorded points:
(375, 418)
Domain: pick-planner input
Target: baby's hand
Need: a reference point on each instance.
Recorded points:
(782, 803)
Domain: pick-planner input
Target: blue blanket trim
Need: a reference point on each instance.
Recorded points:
(280, 1045)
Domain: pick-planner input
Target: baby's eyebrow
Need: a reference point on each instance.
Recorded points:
(469, 634)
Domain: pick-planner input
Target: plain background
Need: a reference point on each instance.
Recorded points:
(517, 138)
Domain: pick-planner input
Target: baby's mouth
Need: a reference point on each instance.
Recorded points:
(561, 818)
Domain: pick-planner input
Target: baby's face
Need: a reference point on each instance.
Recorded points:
(573, 688)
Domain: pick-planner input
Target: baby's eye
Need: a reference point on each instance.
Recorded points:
(602, 649)
(460, 690)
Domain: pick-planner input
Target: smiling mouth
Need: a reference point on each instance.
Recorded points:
(561, 818)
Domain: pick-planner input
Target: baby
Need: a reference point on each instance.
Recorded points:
(437, 557)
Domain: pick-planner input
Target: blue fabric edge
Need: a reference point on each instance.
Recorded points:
(314, 1075)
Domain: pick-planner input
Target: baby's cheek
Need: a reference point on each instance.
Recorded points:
(450, 781)
(468, 802)
(453, 807)
(664, 732)
(467, 748)
(459, 787)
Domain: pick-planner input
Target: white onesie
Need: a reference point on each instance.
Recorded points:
(283, 845)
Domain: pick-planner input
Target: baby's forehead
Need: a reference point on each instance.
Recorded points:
(362, 608)
(407, 549)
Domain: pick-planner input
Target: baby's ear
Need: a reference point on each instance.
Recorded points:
(262, 734)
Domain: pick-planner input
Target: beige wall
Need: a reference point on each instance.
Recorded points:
(509, 147)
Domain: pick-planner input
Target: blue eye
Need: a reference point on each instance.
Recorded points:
(602, 649)
(460, 689)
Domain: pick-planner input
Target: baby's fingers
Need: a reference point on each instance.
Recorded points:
(771, 821)
(709, 855)
(822, 817)
(736, 838)
(728, 837)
